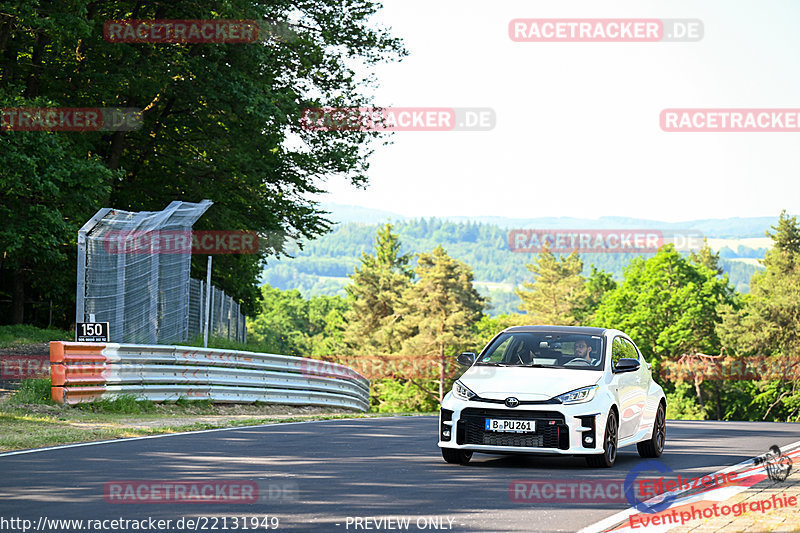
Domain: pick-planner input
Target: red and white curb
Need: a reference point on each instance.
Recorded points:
(630, 520)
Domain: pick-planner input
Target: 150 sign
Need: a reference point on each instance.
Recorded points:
(91, 332)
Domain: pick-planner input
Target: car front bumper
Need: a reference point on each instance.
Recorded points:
(560, 429)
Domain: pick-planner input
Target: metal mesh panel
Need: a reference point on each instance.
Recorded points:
(143, 295)
(197, 294)
(147, 296)
(226, 319)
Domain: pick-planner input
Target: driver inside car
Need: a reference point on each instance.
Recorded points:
(584, 351)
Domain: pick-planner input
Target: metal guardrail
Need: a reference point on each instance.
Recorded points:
(84, 372)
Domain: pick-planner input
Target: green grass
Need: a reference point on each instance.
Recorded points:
(22, 334)
(32, 391)
(124, 404)
(23, 431)
(37, 392)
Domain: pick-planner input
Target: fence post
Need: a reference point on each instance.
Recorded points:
(80, 289)
(208, 303)
(228, 317)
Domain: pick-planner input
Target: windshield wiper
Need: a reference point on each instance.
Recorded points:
(490, 363)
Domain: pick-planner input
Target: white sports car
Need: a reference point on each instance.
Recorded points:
(554, 390)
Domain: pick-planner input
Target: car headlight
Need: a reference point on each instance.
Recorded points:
(582, 395)
(462, 392)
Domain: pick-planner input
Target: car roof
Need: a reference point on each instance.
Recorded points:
(557, 329)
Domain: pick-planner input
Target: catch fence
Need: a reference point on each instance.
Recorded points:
(146, 295)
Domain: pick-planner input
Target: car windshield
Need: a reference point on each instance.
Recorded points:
(543, 349)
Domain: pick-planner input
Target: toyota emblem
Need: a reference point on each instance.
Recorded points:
(512, 402)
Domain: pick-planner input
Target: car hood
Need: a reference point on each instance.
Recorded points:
(525, 383)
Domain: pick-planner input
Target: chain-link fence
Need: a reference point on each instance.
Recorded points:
(143, 292)
(226, 319)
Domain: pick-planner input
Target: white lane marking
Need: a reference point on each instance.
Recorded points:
(617, 518)
(125, 439)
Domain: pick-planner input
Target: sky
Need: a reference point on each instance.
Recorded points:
(577, 124)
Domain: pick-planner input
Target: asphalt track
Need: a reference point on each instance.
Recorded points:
(313, 476)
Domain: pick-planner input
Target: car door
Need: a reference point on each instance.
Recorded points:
(645, 404)
(630, 386)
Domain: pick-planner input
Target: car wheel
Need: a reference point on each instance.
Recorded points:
(456, 457)
(654, 446)
(609, 455)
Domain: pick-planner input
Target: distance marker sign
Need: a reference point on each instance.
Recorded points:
(91, 332)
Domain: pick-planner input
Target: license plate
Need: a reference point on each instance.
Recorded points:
(511, 426)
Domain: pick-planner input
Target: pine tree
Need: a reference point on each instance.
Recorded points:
(557, 293)
(768, 324)
(374, 294)
(706, 257)
(439, 310)
(787, 234)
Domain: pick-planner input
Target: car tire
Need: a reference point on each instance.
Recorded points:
(654, 446)
(609, 455)
(456, 457)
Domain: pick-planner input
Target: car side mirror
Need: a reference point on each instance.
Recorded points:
(626, 364)
(466, 359)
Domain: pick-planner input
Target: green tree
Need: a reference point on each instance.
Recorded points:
(597, 285)
(326, 325)
(398, 396)
(768, 323)
(668, 304)
(289, 324)
(47, 190)
(557, 292)
(374, 294)
(439, 310)
(220, 121)
(281, 324)
(707, 257)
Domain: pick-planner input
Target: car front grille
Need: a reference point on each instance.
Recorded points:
(551, 432)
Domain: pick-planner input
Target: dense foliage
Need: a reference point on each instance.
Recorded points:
(220, 121)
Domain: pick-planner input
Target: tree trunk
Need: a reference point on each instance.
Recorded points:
(18, 297)
(698, 392)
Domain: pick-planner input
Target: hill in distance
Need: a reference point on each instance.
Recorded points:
(322, 266)
(731, 228)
